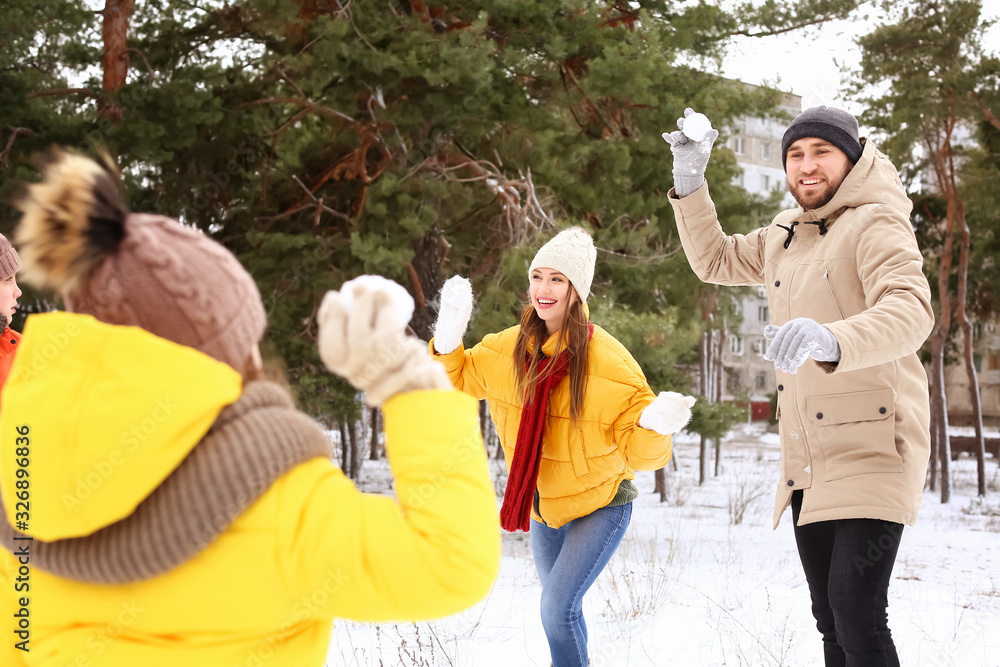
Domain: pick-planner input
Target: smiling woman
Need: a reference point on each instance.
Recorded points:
(551, 295)
(572, 447)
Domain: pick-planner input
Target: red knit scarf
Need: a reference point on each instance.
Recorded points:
(515, 514)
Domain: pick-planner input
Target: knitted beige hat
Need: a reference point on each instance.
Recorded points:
(136, 269)
(572, 253)
(10, 263)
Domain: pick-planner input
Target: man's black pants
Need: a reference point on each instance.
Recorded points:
(848, 563)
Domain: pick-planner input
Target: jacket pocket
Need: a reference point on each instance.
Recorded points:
(833, 292)
(855, 432)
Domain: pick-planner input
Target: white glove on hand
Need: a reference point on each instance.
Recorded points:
(401, 299)
(690, 156)
(798, 339)
(668, 413)
(367, 346)
(453, 315)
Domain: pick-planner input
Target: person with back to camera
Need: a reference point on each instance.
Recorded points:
(850, 308)
(182, 511)
(575, 417)
(10, 264)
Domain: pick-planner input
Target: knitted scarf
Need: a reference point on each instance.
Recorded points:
(252, 443)
(515, 514)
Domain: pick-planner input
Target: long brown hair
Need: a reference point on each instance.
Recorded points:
(574, 338)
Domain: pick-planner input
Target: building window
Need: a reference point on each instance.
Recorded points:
(759, 346)
(739, 180)
(739, 145)
(765, 151)
(736, 345)
(762, 314)
(761, 380)
(765, 182)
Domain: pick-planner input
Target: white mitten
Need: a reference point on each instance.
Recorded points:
(453, 315)
(401, 299)
(668, 413)
(797, 340)
(367, 346)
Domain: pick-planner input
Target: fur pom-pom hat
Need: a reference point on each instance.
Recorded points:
(571, 252)
(76, 236)
(10, 263)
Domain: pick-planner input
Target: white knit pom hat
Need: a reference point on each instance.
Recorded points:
(571, 252)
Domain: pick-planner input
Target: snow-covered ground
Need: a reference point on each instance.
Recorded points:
(692, 585)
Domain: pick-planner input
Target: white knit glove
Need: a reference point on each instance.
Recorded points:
(401, 300)
(690, 154)
(453, 315)
(362, 339)
(668, 413)
(798, 339)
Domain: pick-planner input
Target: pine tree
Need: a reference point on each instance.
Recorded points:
(320, 140)
(940, 82)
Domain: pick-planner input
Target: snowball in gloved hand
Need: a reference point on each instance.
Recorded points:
(696, 126)
(401, 299)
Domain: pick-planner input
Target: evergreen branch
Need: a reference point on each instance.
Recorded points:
(304, 204)
(55, 92)
(303, 102)
(149, 68)
(772, 20)
(987, 112)
(14, 134)
(805, 23)
(418, 290)
(658, 256)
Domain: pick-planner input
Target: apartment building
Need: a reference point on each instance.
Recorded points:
(757, 145)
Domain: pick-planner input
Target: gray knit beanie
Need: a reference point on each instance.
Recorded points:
(834, 125)
(570, 252)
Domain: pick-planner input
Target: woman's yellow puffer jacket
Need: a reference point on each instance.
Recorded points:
(110, 410)
(582, 463)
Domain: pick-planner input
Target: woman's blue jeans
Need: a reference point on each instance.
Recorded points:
(569, 560)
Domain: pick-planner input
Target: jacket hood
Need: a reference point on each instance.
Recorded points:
(104, 414)
(873, 180)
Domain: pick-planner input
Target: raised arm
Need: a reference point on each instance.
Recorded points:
(432, 550)
(463, 367)
(714, 256)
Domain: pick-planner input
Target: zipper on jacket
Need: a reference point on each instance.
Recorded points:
(833, 293)
(536, 502)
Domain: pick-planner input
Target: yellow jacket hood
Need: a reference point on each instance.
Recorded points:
(99, 415)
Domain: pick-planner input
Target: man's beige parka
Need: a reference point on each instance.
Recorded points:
(854, 434)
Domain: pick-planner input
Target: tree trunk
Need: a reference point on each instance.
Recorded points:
(373, 448)
(941, 329)
(705, 380)
(717, 393)
(345, 452)
(937, 388)
(966, 325)
(115, 59)
(352, 431)
(660, 486)
(941, 160)
(425, 281)
(944, 443)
